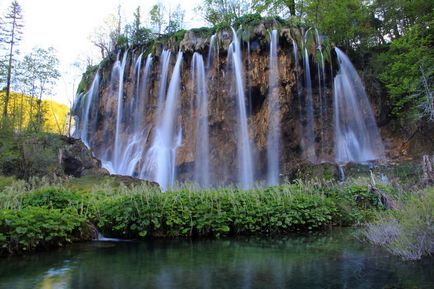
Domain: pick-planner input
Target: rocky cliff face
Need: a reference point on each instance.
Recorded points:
(139, 97)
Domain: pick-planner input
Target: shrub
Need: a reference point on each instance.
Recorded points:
(34, 228)
(219, 212)
(409, 231)
(52, 197)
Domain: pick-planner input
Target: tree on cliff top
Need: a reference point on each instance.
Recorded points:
(136, 33)
(157, 17)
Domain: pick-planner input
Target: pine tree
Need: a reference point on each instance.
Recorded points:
(11, 31)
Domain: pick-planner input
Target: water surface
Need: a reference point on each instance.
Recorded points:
(328, 260)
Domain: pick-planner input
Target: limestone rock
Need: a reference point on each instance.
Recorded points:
(77, 160)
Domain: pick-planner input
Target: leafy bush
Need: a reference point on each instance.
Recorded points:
(52, 197)
(34, 228)
(409, 231)
(226, 211)
(144, 211)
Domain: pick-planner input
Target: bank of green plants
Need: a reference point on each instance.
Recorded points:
(33, 228)
(41, 214)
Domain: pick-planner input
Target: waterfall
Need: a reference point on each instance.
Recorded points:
(249, 80)
(297, 75)
(321, 88)
(245, 166)
(142, 95)
(357, 138)
(134, 149)
(309, 132)
(118, 142)
(162, 153)
(164, 68)
(201, 159)
(273, 136)
(212, 51)
(93, 92)
(137, 81)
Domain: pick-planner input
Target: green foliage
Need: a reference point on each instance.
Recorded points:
(136, 34)
(6, 181)
(53, 198)
(37, 227)
(228, 211)
(87, 78)
(248, 19)
(355, 203)
(122, 41)
(144, 211)
(400, 70)
(176, 20)
(223, 13)
(203, 31)
(29, 155)
(345, 22)
(156, 15)
(409, 231)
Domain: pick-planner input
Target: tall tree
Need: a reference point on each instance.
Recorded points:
(136, 33)
(176, 20)
(11, 35)
(157, 17)
(105, 36)
(42, 72)
(226, 12)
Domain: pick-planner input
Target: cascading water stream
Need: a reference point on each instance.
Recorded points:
(297, 74)
(134, 149)
(309, 117)
(321, 88)
(212, 51)
(162, 154)
(273, 136)
(357, 138)
(201, 159)
(93, 92)
(249, 81)
(142, 95)
(137, 70)
(245, 165)
(164, 68)
(118, 141)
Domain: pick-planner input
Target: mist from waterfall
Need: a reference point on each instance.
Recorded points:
(357, 138)
(273, 135)
(244, 150)
(201, 157)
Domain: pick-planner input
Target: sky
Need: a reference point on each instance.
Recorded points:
(67, 24)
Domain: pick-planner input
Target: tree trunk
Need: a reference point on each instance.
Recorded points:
(9, 74)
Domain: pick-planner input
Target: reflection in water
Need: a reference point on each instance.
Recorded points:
(332, 260)
(57, 278)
